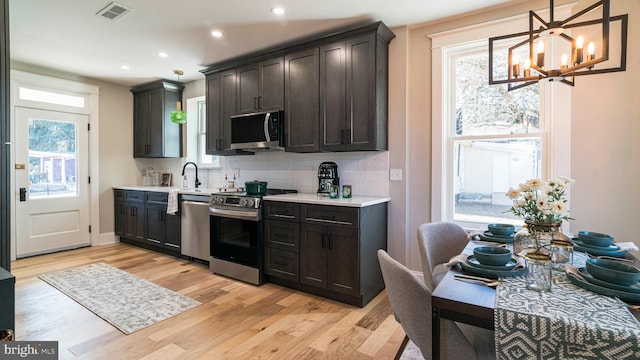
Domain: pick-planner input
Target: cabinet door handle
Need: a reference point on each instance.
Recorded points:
(283, 243)
(348, 140)
(324, 240)
(284, 216)
(330, 241)
(259, 102)
(255, 102)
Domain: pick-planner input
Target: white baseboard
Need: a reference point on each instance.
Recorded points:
(104, 239)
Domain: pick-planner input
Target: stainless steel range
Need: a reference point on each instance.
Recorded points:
(237, 246)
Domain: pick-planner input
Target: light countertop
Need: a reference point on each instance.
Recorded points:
(191, 191)
(356, 201)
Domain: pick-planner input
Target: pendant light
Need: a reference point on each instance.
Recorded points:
(178, 116)
(565, 42)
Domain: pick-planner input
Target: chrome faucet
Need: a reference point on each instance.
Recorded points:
(195, 166)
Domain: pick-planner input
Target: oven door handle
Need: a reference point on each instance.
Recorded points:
(240, 215)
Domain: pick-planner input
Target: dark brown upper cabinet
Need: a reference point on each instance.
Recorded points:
(221, 105)
(353, 94)
(334, 88)
(261, 86)
(154, 135)
(301, 108)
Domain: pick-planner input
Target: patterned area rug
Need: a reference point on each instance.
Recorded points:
(126, 301)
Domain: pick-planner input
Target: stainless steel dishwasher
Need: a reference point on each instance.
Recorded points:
(195, 226)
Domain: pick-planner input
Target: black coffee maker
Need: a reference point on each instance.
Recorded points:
(327, 176)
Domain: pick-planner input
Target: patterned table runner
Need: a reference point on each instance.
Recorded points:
(566, 323)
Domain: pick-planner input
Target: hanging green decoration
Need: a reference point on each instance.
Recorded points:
(178, 116)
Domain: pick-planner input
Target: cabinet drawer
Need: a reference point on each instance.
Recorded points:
(118, 195)
(134, 196)
(158, 197)
(282, 235)
(326, 214)
(282, 210)
(282, 264)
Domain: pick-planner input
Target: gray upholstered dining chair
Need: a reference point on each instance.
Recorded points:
(411, 303)
(439, 242)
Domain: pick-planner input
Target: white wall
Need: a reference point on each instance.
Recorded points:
(605, 143)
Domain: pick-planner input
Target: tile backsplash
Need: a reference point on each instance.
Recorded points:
(366, 172)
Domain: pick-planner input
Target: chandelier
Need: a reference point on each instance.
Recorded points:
(564, 42)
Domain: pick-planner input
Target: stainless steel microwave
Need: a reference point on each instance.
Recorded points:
(258, 131)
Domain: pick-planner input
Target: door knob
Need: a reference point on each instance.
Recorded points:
(23, 194)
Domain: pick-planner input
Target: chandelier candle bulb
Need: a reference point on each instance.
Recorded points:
(515, 60)
(591, 53)
(527, 66)
(564, 65)
(579, 50)
(540, 56)
(591, 50)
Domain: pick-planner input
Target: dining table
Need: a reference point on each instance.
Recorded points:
(567, 322)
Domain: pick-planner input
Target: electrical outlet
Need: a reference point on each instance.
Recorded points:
(395, 174)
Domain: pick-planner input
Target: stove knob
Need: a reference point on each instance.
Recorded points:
(250, 202)
(243, 202)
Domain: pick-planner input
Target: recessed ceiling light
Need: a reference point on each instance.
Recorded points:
(124, 67)
(216, 33)
(163, 54)
(277, 10)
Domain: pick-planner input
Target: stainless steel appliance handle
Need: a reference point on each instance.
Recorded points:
(266, 127)
(233, 214)
(199, 203)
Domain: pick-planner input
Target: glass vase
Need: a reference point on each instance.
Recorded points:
(537, 237)
(538, 275)
(561, 254)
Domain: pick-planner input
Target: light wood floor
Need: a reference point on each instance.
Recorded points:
(235, 321)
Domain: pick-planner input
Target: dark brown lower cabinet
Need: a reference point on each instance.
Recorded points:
(329, 251)
(141, 219)
(329, 258)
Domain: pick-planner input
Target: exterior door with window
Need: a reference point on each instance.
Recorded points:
(51, 176)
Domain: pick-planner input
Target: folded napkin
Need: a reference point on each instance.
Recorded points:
(474, 234)
(572, 271)
(629, 246)
(462, 258)
(172, 202)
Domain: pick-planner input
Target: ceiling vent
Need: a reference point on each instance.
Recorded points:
(113, 11)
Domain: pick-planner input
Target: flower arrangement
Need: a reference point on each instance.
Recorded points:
(542, 202)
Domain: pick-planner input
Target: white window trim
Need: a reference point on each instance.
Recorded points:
(193, 133)
(556, 120)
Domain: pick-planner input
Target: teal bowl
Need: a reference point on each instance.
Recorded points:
(613, 271)
(501, 229)
(492, 255)
(595, 239)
